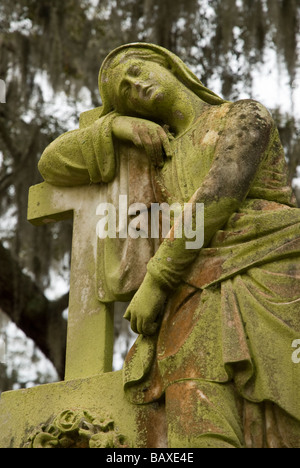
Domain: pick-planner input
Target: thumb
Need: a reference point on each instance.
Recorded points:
(127, 315)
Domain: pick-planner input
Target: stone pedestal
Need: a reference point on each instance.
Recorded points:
(27, 416)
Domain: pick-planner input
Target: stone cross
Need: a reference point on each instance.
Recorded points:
(90, 322)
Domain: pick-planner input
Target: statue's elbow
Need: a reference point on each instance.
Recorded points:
(46, 166)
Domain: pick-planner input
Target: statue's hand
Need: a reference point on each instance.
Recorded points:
(144, 134)
(146, 306)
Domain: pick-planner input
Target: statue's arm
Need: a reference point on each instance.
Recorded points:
(87, 155)
(62, 162)
(81, 156)
(239, 152)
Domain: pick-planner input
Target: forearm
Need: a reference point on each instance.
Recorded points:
(176, 254)
(81, 156)
(62, 163)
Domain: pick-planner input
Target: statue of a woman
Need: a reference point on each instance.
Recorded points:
(216, 325)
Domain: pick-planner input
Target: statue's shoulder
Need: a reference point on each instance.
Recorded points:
(249, 110)
(87, 118)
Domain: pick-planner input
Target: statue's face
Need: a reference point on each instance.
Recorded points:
(143, 88)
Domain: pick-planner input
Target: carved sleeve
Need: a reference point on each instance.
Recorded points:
(239, 152)
(81, 156)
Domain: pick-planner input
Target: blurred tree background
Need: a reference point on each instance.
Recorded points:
(50, 54)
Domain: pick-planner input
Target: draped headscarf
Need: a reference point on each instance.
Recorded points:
(158, 54)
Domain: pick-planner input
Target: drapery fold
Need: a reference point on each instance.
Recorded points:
(239, 326)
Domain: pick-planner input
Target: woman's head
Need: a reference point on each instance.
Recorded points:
(145, 69)
(145, 88)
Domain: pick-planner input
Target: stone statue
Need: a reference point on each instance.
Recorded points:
(216, 324)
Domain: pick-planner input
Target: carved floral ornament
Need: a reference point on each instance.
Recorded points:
(76, 429)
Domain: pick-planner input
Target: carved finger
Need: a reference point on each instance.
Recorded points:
(148, 147)
(136, 138)
(150, 328)
(139, 325)
(157, 150)
(165, 142)
(127, 315)
(155, 147)
(133, 323)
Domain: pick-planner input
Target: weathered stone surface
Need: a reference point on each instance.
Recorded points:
(24, 412)
(90, 323)
(217, 323)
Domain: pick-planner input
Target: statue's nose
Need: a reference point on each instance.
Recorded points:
(137, 83)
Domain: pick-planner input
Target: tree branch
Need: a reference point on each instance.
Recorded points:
(26, 305)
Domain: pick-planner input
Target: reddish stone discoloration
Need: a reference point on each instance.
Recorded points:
(225, 313)
(178, 322)
(152, 426)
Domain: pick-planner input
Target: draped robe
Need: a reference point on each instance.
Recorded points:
(233, 313)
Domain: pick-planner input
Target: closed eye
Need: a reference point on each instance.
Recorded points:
(134, 70)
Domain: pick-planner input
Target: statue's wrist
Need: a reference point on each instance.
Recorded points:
(155, 284)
